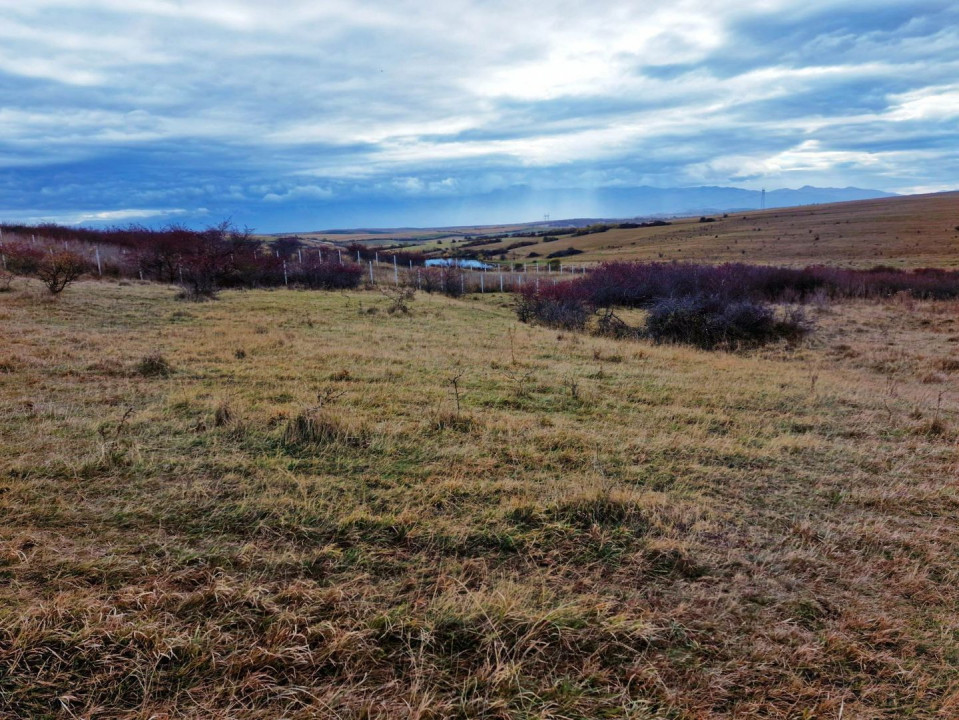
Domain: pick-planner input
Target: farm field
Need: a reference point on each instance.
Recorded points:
(906, 232)
(298, 504)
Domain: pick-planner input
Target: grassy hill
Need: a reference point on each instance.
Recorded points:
(909, 231)
(296, 504)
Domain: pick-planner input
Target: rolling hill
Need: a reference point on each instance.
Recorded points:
(905, 231)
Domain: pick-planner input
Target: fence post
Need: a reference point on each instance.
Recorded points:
(463, 284)
(299, 254)
(286, 279)
(100, 267)
(396, 271)
(371, 273)
(501, 282)
(339, 254)
(482, 283)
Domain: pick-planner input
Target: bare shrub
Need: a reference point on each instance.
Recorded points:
(399, 298)
(58, 270)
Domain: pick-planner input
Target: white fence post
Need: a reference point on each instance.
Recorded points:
(371, 273)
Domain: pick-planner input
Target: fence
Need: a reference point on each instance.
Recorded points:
(383, 270)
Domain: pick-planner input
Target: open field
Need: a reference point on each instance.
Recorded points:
(278, 504)
(421, 237)
(911, 231)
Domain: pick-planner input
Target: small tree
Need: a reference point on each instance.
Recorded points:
(59, 269)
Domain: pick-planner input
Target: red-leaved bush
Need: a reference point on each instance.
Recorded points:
(56, 269)
(717, 305)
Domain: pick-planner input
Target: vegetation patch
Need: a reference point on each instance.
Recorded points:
(154, 365)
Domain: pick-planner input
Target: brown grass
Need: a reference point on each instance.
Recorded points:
(603, 529)
(907, 232)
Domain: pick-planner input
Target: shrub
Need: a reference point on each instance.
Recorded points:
(635, 284)
(709, 322)
(328, 275)
(22, 259)
(445, 279)
(57, 270)
(562, 305)
(565, 253)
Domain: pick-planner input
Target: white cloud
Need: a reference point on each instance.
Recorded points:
(301, 192)
(931, 103)
(431, 98)
(79, 217)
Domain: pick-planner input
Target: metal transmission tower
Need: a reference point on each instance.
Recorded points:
(546, 218)
(763, 200)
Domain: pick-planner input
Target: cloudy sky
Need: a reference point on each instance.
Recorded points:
(329, 113)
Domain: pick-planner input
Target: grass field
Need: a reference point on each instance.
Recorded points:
(911, 231)
(280, 504)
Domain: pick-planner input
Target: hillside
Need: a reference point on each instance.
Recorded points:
(908, 231)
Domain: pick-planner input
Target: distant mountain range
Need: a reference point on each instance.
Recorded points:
(521, 204)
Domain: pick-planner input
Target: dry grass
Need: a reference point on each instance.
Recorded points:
(906, 232)
(312, 528)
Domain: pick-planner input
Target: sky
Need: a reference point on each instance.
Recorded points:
(305, 115)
